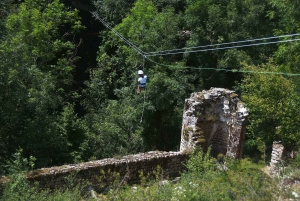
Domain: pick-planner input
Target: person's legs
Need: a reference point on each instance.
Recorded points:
(140, 89)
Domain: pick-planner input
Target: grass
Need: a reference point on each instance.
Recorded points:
(205, 179)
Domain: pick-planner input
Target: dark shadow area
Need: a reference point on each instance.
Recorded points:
(87, 51)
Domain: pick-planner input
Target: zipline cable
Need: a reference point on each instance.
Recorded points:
(223, 48)
(221, 44)
(223, 69)
(146, 55)
(160, 53)
(118, 34)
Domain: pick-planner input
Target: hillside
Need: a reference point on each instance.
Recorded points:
(69, 73)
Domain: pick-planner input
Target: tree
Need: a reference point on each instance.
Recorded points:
(287, 55)
(273, 104)
(5, 8)
(111, 99)
(35, 80)
(215, 22)
(113, 11)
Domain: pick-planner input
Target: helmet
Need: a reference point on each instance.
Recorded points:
(140, 72)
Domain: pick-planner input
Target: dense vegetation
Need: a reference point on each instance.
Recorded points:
(54, 112)
(205, 179)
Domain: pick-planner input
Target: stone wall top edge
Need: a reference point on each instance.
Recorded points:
(215, 92)
(152, 155)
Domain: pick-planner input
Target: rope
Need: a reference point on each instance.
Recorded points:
(143, 61)
(143, 106)
(144, 92)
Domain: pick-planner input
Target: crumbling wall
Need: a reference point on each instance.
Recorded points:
(216, 118)
(281, 156)
(102, 173)
(277, 158)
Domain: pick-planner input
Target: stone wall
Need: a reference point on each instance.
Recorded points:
(128, 168)
(277, 158)
(281, 156)
(216, 118)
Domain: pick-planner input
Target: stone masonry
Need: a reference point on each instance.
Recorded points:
(281, 156)
(102, 173)
(277, 158)
(216, 118)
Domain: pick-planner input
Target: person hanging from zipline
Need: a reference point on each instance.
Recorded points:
(142, 81)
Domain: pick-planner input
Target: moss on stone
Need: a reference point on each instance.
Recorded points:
(240, 102)
(187, 104)
(186, 133)
(199, 97)
(201, 141)
(201, 138)
(233, 95)
(37, 173)
(211, 117)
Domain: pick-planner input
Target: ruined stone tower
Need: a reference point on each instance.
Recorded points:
(215, 118)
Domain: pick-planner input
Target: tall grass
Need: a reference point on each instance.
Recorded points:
(206, 178)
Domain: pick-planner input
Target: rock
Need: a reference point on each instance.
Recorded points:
(164, 182)
(93, 193)
(295, 194)
(134, 189)
(215, 118)
(176, 180)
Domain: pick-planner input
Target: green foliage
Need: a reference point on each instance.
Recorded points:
(6, 6)
(150, 29)
(18, 164)
(214, 22)
(151, 187)
(38, 54)
(235, 180)
(272, 102)
(116, 131)
(200, 163)
(16, 187)
(35, 80)
(113, 11)
(153, 26)
(295, 163)
(162, 117)
(71, 134)
(206, 180)
(287, 55)
(113, 126)
(111, 102)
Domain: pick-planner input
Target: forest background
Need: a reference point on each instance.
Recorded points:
(68, 84)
